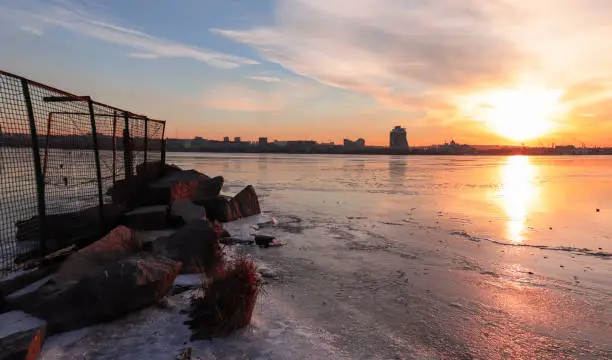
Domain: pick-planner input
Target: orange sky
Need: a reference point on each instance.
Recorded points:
(479, 72)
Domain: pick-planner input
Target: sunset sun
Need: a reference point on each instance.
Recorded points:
(519, 114)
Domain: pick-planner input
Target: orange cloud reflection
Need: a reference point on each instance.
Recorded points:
(518, 194)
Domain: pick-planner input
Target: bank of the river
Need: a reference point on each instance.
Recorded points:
(441, 259)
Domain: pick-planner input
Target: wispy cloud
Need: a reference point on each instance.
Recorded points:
(32, 30)
(421, 53)
(266, 78)
(147, 56)
(69, 16)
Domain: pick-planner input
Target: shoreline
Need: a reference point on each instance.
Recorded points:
(380, 154)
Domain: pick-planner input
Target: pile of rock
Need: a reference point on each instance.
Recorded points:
(125, 270)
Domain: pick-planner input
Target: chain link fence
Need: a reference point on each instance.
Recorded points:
(59, 156)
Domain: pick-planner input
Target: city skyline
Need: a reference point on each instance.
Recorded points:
(486, 73)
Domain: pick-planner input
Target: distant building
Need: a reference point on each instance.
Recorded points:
(263, 141)
(359, 143)
(455, 148)
(197, 141)
(226, 139)
(301, 142)
(565, 150)
(237, 139)
(397, 138)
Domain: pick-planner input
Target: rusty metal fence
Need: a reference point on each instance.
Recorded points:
(60, 154)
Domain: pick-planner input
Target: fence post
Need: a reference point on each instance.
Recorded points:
(40, 183)
(127, 149)
(163, 145)
(44, 169)
(114, 147)
(146, 142)
(94, 135)
(163, 154)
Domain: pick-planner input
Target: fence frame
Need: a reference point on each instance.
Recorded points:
(40, 182)
(40, 163)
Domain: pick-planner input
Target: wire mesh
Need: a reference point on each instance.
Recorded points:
(18, 198)
(137, 133)
(70, 185)
(155, 133)
(109, 130)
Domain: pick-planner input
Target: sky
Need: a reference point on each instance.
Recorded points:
(479, 72)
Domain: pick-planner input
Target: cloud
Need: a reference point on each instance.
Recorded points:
(421, 53)
(388, 49)
(143, 56)
(266, 78)
(32, 30)
(67, 15)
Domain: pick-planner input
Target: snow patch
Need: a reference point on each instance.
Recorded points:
(17, 321)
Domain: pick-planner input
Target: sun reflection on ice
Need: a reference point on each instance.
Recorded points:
(518, 195)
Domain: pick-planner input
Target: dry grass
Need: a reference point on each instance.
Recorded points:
(227, 302)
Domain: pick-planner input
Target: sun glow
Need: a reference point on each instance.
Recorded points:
(518, 194)
(518, 114)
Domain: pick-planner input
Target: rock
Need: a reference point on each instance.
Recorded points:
(233, 241)
(131, 191)
(67, 229)
(156, 169)
(12, 284)
(187, 210)
(264, 240)
(182, 185)
(217, 207)
(246, 203)
(196, 246)
(147, 218)
(21, 336)
(105, 294)
(118, 244)
(224, 209)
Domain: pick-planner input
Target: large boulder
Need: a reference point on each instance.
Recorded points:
(79, 227)
(225, 209)
(246, 203)
(106, 294)
(21, 336)
(130, 191)
(118, 244)
(195, 245)
(156, 169)
(186, 211)
(147, 218)
(182, 185)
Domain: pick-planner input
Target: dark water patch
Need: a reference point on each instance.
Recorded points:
(467, 265)
(291, 224)
(575, 250)
(390, 223)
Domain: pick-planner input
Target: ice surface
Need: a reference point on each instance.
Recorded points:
(276, 333)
